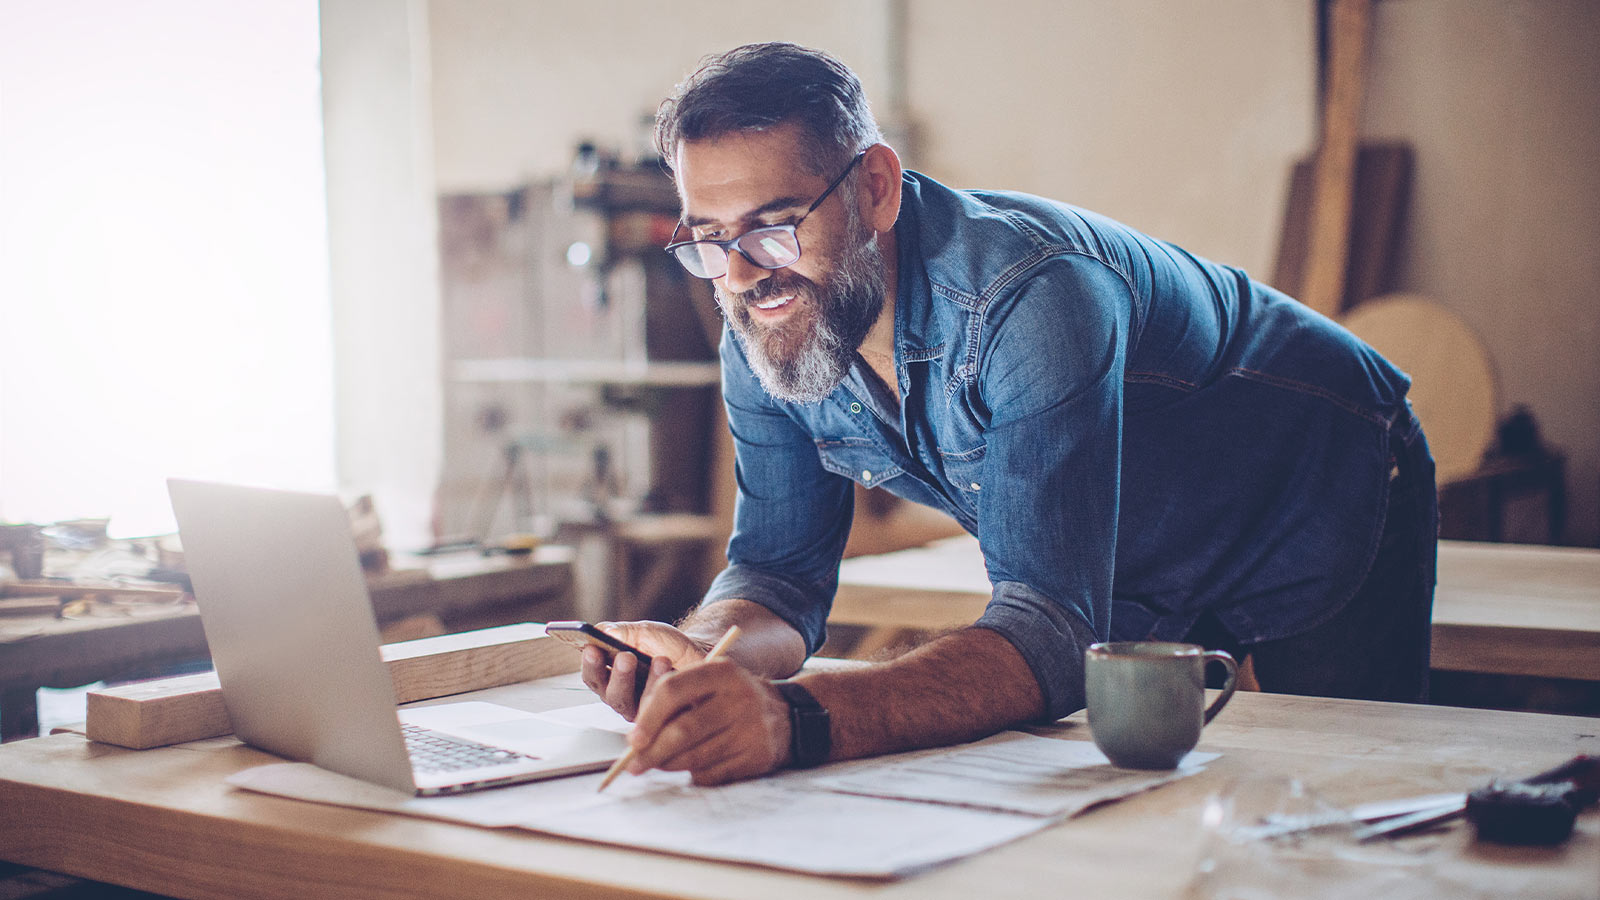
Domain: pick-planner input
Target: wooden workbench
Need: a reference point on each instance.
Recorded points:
(1517, 609)
(163, 820)
(465, 591)
(1502, 609)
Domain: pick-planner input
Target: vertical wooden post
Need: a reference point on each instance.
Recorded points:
(1323, 286)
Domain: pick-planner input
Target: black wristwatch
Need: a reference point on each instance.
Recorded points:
(810, 740)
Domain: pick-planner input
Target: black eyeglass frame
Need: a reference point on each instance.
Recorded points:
(733, 242)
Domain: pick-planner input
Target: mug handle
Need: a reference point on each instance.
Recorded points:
(1232, 666)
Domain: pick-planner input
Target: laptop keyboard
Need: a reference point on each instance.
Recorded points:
(434, 752)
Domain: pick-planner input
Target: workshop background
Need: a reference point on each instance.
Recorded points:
(475, 161)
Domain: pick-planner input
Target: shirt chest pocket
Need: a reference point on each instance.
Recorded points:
(963, 471)
(858, 460)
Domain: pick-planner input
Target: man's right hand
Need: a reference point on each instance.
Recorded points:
(613, 677)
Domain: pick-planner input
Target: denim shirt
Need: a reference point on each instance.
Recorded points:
(1135, 435)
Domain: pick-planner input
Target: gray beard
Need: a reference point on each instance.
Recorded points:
(804, 362)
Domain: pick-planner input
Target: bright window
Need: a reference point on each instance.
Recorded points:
(164, 300)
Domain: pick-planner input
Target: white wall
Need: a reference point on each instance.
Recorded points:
(517, 84)
(1179, 118)
(1502, 100)
(383, 243)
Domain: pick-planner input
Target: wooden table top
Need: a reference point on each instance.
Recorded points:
(163, 820)
(1509, 609)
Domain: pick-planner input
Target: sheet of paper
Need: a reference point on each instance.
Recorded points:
(881, 817)
(784, 822)
(1010, 771)
(781, 822)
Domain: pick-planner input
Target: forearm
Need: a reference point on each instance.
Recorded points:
(767, 645)
(962, 686)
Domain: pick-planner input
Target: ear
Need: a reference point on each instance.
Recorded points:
(879, 191)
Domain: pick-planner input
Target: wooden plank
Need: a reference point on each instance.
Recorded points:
(456, 663)
(155, 713)
(1517, 609)
(1382, 195)
(1536, 652)
(29, 606)
(452, 587)
(190, 707)
(1294, 234)
(904, 596)
(1521, 584)
(927, 609)
(63, 589)
(1328, 250)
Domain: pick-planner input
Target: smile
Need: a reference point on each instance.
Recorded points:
(774, 302)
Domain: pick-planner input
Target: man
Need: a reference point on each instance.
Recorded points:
(1146, 444)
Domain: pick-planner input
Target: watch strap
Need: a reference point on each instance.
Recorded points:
(810, 731)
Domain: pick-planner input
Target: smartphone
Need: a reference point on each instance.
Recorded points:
(582, 634)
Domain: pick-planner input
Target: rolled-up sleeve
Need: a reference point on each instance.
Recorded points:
(1051, 639)
(798, 604)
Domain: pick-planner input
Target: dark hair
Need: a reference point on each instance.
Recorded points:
(759, 86)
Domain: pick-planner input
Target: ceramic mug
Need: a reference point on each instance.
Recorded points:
(1147, 699)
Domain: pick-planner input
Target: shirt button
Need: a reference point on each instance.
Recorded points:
(855, 407)
(866, 475)
(976, 486)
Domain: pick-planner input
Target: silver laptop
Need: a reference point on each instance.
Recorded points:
(286, 613)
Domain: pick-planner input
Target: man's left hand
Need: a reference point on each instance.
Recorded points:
(715, 720)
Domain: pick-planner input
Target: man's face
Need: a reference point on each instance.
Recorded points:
(800, 326)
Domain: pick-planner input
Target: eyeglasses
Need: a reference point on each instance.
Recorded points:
(769, 247)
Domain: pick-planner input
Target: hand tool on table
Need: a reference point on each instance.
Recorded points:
(1539, 810)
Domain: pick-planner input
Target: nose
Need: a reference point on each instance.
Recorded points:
(742, 274)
